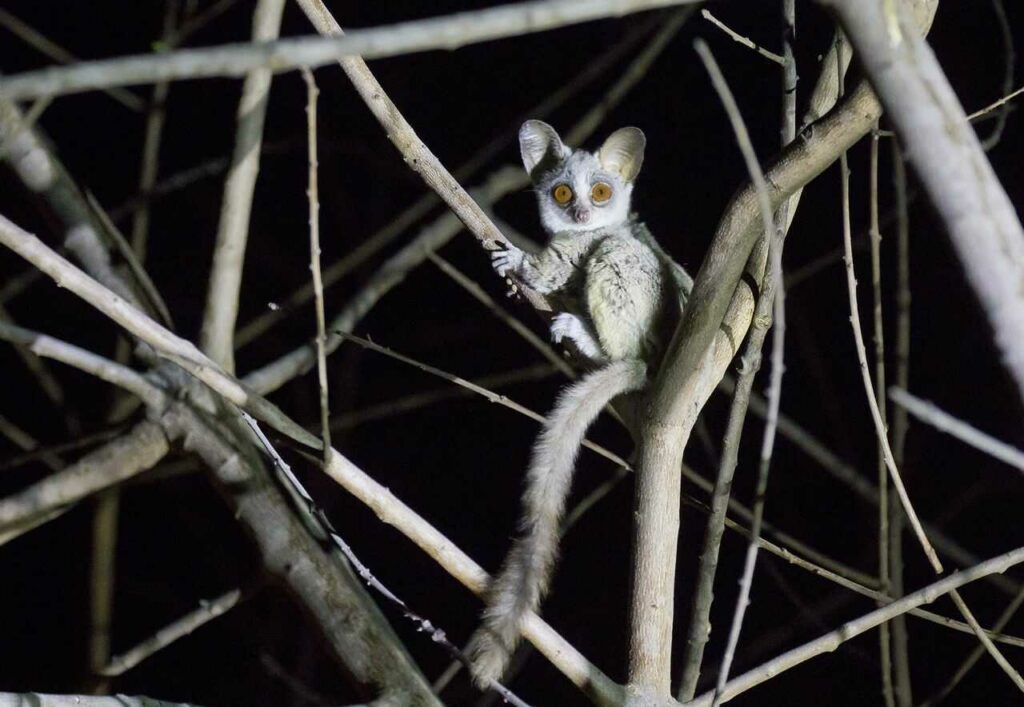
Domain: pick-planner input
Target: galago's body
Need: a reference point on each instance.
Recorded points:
(623, 296)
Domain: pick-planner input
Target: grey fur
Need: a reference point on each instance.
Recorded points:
(622, 296)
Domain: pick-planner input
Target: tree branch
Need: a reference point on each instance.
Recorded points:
(944, 150)
(217, 335)
(179, 350)
(851, 629)
(445, 32)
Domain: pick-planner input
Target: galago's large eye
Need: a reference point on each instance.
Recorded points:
(562, 194)
(601, 192)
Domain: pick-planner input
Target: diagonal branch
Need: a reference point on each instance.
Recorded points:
(121, 459)
(851, 629)
(179, 350)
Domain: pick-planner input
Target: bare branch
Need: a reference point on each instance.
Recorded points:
(352, 626)
(478, 293)
(745, 41)
(897, 522)
(975, 654)
(217, 335)
(416, 401)
(446, 32)
(204, 614)
(182, 352)
(156, 114)
(933, 415)
(878, 336)
(944, 150)
(103, 368)
(392, 511)
(56, 52)
(768, 302)
(314, 258)
(116, 461)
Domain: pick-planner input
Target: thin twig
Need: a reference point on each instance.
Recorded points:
(880, 432)
(17, 284)
(884, 638)
(191, 25)
(47, 381)
(48, 454)
(106, 507)
(933, 415)
(93, 364)
(883, 599)
(207, 611)
(543, 347)
(851, 286)
(156, 114)
(995, 104)
(1009, 60)
(314, 259)
(975, 655)
(142, 278)
(745, 41)
(469, 385)
(901, 651)
(417, 401)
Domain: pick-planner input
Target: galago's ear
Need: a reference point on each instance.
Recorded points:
(540, 146)
(623, 152)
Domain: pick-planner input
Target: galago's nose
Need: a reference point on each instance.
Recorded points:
(581, 216)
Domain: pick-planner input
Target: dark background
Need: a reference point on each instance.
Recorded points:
(459, 462)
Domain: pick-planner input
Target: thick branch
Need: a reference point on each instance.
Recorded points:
(700, 351)
(352, 625)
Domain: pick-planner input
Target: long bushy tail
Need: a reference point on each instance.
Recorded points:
(526, 573)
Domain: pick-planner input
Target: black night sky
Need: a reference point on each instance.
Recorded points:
(459, 459)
